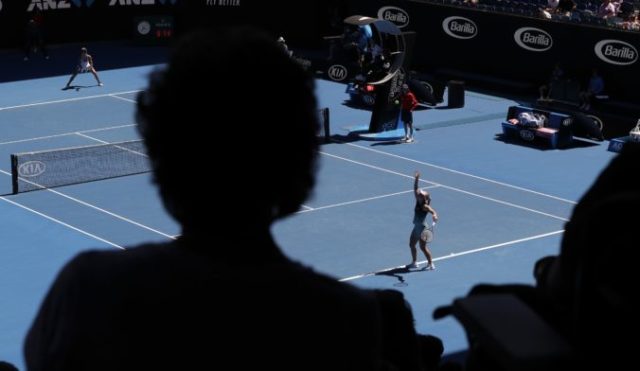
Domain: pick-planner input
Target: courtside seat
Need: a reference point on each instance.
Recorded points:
(556, 131)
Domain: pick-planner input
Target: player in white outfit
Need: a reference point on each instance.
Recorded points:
(85, 64)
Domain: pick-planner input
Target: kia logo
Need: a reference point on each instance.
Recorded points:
(527, 135)
(31, 168)
(533, 39)
(616, 52)
(460, 27)
(337, 72)
(395, 15)
(597, 121)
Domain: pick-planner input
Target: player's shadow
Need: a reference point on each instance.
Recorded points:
(389, 142)
(398, 273)
(78, 87)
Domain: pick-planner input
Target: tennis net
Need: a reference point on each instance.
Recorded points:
(53, 168)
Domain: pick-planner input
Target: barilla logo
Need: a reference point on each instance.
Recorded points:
(616, 52)
(460, 27)
(31, 168)
(337, 72)
(393, 14)
(533, 39)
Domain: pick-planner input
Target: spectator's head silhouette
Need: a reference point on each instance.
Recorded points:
(6, 366)
(591, 283)
(259, 101)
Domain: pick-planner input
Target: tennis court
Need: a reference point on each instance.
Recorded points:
(501, 205)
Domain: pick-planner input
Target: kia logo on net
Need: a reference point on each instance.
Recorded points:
(533, 39)
(393, 14)
(616, 52)
(337, 72)
(460, 27)
(31, 168)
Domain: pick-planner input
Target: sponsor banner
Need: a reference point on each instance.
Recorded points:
(517, 52)
(395, 15)
(533, 39)
(222, 3)
(616, 52)
(460, 27)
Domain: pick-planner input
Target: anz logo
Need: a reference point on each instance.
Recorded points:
(395, 15)
(616, 52)
(31, 169)
(58, 4)
(337, 72)
(533, 39)
(460, 27)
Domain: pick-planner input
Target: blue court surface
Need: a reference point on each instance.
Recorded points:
(501, 205)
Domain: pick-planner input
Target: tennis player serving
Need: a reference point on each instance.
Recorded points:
(422, 232)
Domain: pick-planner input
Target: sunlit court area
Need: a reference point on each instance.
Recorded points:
(504, 162)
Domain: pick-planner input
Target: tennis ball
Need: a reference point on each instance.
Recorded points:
(396, 101)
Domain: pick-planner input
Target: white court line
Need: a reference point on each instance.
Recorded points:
(452, 188)
(115, 145)
(122, 98)
(306, 208)
(357, 201)
(372, 166)
(453, 255)
(67, 134)
(463, 173)
(67, 100)
(83, 203)
(63, 223)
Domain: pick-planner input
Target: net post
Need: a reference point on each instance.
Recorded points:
(14, 174)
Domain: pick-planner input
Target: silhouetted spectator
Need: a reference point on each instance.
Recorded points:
(34, 35)
(6, 366)
(557, 74)
(431, 349)
(595, 87)
(586, 294)
(607, 9)
(590, 285)
(566, 7)
(223, 294)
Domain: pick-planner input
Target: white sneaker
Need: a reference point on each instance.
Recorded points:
(410, 140)
(430, 267)
(100, 84)
(411, 265)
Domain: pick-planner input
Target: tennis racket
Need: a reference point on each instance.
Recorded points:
(427, 233)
